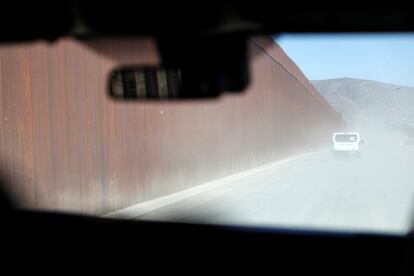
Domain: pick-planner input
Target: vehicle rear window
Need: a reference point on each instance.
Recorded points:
(346, 137)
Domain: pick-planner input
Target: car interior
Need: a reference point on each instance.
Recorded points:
(182, 30)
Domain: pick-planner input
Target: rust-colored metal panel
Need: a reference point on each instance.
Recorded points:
(68, 147)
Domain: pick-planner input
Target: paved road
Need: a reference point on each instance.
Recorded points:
(373, 192)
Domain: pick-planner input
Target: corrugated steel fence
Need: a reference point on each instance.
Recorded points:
(67, 146)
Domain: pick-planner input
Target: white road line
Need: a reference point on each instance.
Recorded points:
(151, 205)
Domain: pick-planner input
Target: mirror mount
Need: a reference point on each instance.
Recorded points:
(210, 65)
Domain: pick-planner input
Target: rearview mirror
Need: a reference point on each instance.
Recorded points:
(145, 83)
(195, 67)
(159, 83)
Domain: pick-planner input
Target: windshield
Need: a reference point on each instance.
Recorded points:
(264, 157)
(346, 137)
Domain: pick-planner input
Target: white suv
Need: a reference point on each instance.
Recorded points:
(346, 142)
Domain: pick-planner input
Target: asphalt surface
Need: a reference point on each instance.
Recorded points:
(373, 192)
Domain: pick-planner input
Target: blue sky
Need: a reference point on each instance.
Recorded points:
(383, 57)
